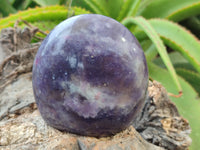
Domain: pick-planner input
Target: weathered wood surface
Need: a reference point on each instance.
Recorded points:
(21, 126)
(160, 122)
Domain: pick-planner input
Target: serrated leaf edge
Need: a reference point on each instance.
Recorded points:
(183, 28)
(186, 52)
(144, 24)
(170, 17)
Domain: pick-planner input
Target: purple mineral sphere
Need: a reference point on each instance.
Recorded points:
(90, 76)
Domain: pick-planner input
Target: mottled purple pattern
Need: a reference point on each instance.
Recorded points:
(90, 76)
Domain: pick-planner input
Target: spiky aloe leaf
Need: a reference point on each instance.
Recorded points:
(92, 5)
(53, 14)
(178, 38)
(175, 10)
(177, 59)
(129, 8)
(113, 7)
(148, 29)
(183, 69)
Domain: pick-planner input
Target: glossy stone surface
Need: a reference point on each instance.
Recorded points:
(90, 76)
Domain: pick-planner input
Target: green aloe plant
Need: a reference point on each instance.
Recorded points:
(172, 51)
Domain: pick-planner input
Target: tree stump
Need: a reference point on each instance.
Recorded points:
(159, 126)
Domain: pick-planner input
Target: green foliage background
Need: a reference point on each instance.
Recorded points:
(168, 31)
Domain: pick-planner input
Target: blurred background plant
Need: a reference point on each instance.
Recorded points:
(13, 6)
(168, 31)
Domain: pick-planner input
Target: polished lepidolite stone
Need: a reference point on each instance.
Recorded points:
(90, 76)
